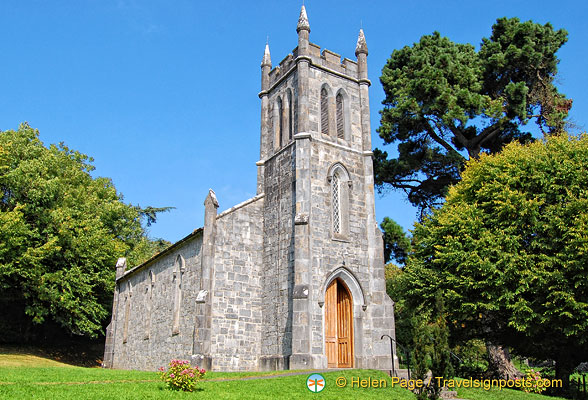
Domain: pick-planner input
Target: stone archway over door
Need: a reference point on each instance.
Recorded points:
(339, 325)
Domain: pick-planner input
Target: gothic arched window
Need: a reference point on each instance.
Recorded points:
(340, 116)
(340, 183)
(336, 205)
(149, 300)
(127, 316)
(324, 111)
(290, 115)
(280, 121)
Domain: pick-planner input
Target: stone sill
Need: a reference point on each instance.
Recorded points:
(340, 238)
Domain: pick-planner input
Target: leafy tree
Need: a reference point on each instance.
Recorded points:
(440, 352)
(396, 242)
(422, 331)
(509, 252)
(446, 103)
(405, 316)
(61, 232)
(421, 345)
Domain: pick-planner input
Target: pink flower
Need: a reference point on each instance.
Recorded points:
(161, 369)
(171, 375)
(202, 371)
(191, 375)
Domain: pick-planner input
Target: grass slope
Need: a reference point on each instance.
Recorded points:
(28, 360)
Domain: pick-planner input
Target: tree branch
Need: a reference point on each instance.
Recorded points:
(488, 133)
(441, 141)
(490, 136)
(403, 186)
(462, 139)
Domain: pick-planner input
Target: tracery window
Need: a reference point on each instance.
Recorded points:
(340, 188)
(335, 190)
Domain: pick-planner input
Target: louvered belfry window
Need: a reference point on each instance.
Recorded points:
(290, 116)
(340, 128)
(280, 120)
(324, 112)
(336, 204)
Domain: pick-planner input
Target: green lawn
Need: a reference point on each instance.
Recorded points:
(504, 394)
(94, 383)
(499, 394)
(57, 381)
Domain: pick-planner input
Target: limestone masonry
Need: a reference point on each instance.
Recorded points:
(292, 278)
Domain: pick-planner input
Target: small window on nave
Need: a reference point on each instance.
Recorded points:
(127, 316)
(177, 280)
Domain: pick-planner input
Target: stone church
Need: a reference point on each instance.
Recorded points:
(292, 278)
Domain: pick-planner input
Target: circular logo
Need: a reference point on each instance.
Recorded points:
(315, 383)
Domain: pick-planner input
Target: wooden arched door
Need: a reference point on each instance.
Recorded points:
(339, 325)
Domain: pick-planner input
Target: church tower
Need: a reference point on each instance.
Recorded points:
(324, 300)
(292, 278)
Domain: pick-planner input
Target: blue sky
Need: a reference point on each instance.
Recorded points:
(163, 94)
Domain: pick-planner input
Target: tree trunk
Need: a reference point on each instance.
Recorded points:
(500, 364)
(563, 369)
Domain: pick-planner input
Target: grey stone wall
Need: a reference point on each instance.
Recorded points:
(149, 352)
(278, 251)
(237, 293)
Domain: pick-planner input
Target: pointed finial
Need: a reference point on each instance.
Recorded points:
(303, 20)
(361, 46)
(267, 60)
(211, 198)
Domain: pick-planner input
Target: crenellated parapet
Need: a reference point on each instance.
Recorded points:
(282, 69)
(332, 61)
(320, 58)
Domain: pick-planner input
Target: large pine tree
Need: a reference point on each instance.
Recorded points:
(446, 103)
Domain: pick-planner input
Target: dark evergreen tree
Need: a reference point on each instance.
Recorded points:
(446, 103)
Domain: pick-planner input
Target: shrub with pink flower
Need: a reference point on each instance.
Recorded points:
(181, 375)
(533, 383)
